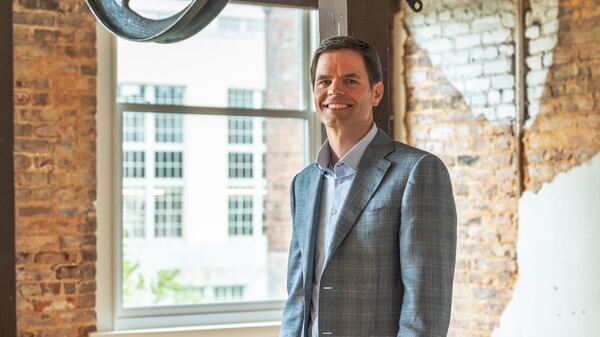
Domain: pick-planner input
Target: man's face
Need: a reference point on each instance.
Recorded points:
(343, 95)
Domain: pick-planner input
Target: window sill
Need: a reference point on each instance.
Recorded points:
(263, 329)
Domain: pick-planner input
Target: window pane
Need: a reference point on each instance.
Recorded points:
(168, 164)
(134, 213)
(168, 128)
(134, 124)
(214, 230)
(168, 212)
(134, 164)
(235, 61)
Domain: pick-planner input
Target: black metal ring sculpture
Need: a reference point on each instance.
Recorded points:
(126, 23)
(416, 5)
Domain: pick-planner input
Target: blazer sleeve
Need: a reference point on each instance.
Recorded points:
(293, 310)
(427, 250)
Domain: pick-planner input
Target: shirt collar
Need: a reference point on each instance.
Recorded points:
(351, 159)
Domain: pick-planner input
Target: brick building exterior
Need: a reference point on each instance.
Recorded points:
(460, 60)
(285, 137)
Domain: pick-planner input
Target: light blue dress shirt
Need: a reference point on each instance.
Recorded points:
(335, 188)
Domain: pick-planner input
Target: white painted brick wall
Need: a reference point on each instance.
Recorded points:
(467, 41)
(503, 81)
(498, 67)
(486, 23)
(472, 43)
(485, 53)
(546, 43)
(497, 36)
(542, 25)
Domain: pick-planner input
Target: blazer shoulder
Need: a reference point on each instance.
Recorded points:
(406, 157)
(406, 154)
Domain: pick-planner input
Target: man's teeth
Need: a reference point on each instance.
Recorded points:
(337, 106)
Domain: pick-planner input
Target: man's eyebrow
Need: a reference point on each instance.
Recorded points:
(352, 75)
(349, 75)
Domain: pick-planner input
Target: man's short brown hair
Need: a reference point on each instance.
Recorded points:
(365, 49)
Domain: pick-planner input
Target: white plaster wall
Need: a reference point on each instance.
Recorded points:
(558, 290)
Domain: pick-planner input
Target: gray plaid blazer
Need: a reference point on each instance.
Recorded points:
(390, 266)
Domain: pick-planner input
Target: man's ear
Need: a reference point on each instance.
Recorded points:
(377, 93)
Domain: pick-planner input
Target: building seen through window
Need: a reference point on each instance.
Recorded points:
(205, 197)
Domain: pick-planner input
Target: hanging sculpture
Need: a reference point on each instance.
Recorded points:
(124, 22)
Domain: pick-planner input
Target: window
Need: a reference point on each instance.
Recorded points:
(169, 128)
(229, 293)
(134, 210)
(168, 94)
(195, 244)
(240, 165)
(241, 130)
(152, 94)
(240, 98)
(168, 212)
(134, 164)
(131, 93)
(240, 215)
(133, 127)
(168, 164)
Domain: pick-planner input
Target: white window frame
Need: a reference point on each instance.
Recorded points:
(231, 316)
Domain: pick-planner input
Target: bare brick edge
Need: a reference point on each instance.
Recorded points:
(8, 310)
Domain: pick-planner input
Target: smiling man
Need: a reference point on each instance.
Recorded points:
(374, 221)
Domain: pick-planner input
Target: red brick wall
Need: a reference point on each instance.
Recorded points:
(55, 104)
(563, 78)
(482, 164)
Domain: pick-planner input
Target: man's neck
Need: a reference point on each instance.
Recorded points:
(342, 140)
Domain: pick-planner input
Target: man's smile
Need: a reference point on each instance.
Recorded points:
(336, 106)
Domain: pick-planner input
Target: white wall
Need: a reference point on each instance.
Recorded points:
(558, 290)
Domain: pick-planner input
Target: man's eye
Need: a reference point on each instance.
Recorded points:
(351, 81)
(324, 83)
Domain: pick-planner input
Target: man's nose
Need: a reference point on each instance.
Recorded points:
(336, 88)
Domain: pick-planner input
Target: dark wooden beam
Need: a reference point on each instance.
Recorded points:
(371, 21)
(8, 308)
(313, 4)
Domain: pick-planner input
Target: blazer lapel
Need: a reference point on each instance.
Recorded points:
(371, 170)
(310, 220)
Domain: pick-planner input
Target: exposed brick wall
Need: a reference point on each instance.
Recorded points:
(55, 103)
(563, 77)
(459, 59)
(460, 79)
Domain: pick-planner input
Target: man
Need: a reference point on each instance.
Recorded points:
(374, 222)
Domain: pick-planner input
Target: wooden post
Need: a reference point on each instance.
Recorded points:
(8, 308)
(371, 21)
